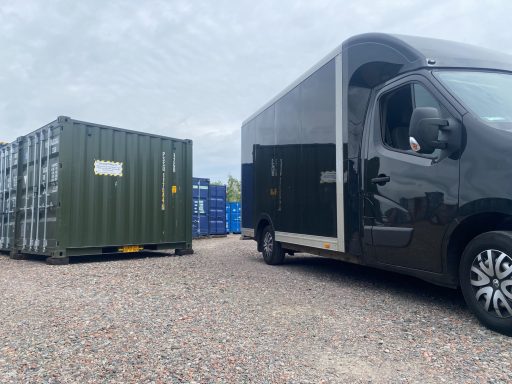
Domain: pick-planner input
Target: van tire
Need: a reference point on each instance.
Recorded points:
(485, 275)
(271, 249)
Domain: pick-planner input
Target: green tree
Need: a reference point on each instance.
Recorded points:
(233, 189)
(217, 183)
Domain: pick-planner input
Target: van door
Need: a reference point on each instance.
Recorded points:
(409, 199)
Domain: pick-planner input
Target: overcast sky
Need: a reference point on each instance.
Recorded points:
(195, 69)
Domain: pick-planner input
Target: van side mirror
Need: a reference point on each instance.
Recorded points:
(424, 130)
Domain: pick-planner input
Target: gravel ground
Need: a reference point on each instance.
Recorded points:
(222, 315)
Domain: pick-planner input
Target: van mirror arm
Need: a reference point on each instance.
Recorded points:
(449, 139)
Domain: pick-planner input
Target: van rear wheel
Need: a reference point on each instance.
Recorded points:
(485, 275)
(271, 249)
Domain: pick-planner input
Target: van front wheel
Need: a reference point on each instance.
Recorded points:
(485, 275)
(271, 250)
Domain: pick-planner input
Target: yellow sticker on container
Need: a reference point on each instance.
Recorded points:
(174, 189)
(327, 245)
(131, 248)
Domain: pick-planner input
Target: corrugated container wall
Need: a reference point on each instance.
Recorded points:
(217, 209)
(8, 194)
(235, 217)
(83, 188)
(200, 207)
(228, 217)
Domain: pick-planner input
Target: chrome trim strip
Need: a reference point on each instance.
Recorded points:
(327, 243)
(340, 172)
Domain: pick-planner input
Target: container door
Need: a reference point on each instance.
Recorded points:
(212, 199)
(221, 212)
(235, 218)
(195, 208)
(4, 156)
(38, 188)
(8, 202)
(217, 209)
(228, 211)
(26, 186)
(50, 189)
(204, 209)
(37, 191)
(200, 208)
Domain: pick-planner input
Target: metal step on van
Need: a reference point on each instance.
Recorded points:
(394, 152)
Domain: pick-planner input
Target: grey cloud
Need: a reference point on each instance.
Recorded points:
(195, 69)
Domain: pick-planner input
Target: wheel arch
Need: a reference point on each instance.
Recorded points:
(466, 229)
(263, 221)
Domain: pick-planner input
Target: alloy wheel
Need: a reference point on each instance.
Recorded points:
(491, 279)
(268, 244)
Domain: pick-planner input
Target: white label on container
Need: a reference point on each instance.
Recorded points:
(54, 172)
(54, 143)
(108, 168)
(327, 177)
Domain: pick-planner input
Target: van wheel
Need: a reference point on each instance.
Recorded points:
(485, 275)
(271, 250)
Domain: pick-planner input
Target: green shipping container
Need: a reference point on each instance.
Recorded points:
(73, 188)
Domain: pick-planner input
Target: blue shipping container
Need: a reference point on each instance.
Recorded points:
(200, 207)
(228, 216)
(235, 213)
(217, 202)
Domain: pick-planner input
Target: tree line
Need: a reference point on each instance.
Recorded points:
(233, 189)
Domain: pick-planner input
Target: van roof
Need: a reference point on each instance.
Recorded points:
(440, 53)
(413, 52)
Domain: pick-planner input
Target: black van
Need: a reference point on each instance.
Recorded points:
(395, 152)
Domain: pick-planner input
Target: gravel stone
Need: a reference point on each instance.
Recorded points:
(223, 316)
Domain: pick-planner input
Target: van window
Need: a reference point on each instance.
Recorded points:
(423, 98)
(486, 94)
(396, 111)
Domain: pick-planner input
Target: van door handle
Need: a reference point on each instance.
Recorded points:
(381, 179)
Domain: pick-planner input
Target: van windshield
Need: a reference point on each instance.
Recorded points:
(486, 94)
